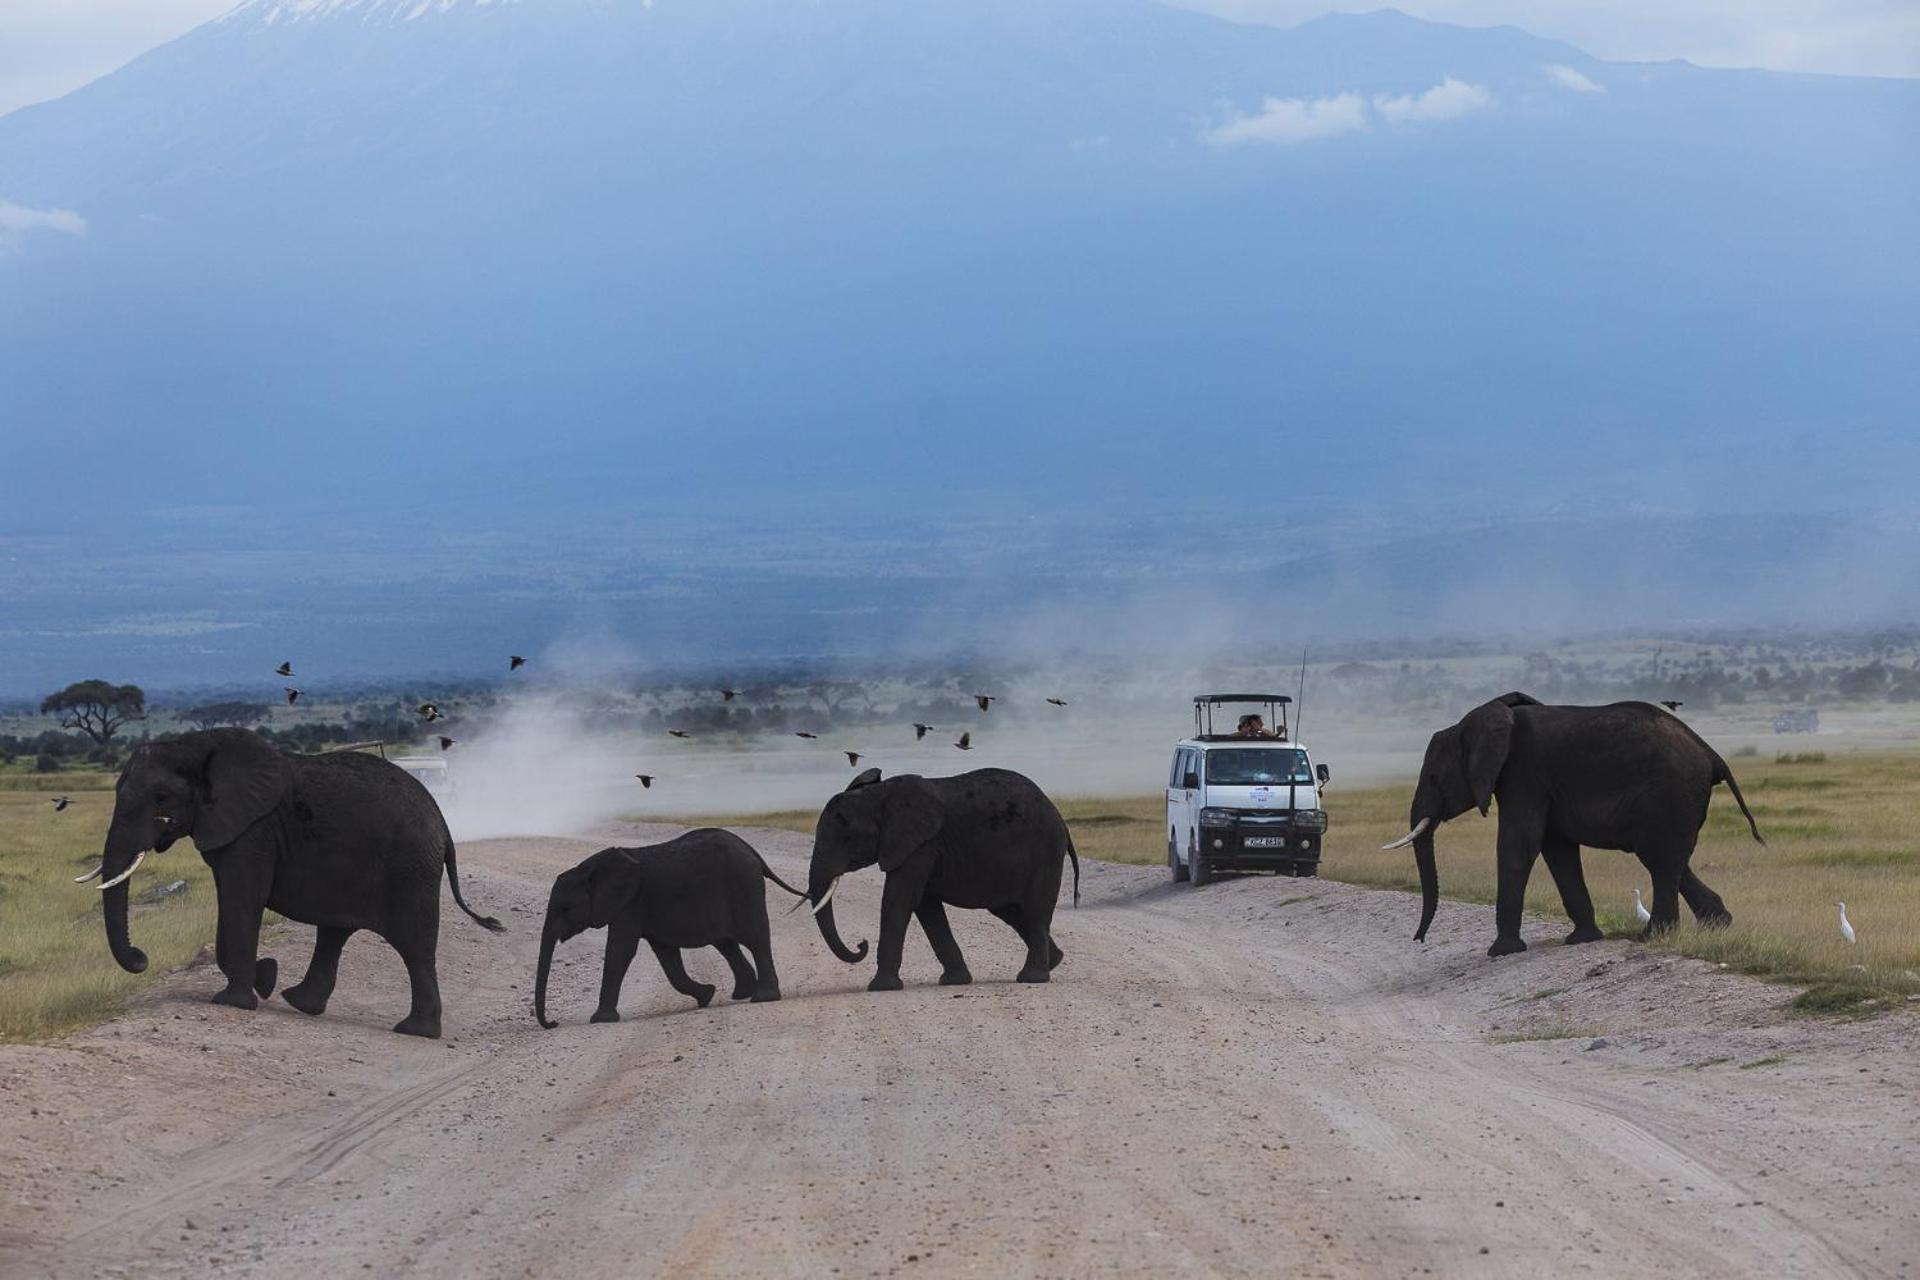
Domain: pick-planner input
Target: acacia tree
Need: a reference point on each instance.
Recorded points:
(96, 708)
(242, 715)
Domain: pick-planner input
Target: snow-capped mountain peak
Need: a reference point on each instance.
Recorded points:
(272, 13)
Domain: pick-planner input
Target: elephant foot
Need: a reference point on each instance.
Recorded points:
(305, 999)
(238, 998)
(742, 992)
(605, 1015)
(416, 1025)
(1054, 956)
(266, 975)
(1032, 975)
(766, 995)
(1585, 933)
(1715, 919)
(956, 977)
(703, 994)
(1505, 947)
(885, 982)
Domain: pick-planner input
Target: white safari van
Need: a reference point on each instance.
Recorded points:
(1246, 799)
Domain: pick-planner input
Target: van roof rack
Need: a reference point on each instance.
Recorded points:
(1275, 703)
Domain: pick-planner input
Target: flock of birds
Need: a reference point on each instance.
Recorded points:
(430, 712)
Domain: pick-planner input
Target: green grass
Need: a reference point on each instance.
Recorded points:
(55, 972)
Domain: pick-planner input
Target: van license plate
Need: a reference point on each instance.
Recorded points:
(1266, 842)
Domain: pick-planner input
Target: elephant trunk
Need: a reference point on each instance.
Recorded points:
(1429, 881)
(548, 936)
(820, 886)
(116, 865)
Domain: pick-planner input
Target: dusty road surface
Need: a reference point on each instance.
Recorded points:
(1260, 1077)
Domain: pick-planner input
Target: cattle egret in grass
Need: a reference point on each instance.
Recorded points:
(1846, 925)
(1640, 911)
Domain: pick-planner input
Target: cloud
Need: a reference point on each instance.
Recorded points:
(1286, 121)
(17, 221)
(1448, 100)
(1290, 120)
(1568, 78)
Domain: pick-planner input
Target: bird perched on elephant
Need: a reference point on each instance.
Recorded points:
(989, 839)
(1626, 776)
(706, 888)
(342, 842)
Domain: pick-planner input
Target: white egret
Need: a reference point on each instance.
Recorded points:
(1846, 925)
(1640, 911)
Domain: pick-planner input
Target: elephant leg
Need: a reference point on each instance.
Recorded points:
(314, 990)
(1563, 860)
(423, 976)
(933, 919)
(669, 958)
(767, 989)
(1517, 850)
(901, 895)
(238, 938)
(1705, 904)
(1014, 916)
(621, 946)
(1040, 948)
(1666, 869)
(744, 979)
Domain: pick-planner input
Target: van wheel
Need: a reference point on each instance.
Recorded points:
(1173, 860)
(1197, 869)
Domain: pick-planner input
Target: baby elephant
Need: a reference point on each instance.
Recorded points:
(702, 889)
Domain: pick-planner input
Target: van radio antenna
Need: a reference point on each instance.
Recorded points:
(1300, 702)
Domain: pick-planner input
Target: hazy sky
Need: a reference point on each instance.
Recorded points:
(50, 46)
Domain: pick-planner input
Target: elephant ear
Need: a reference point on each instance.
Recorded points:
(610, 882)
(246, 779)
(911, 816)
(1485, 736)
(866, 779)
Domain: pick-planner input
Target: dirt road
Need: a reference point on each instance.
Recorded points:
(1261, 1077)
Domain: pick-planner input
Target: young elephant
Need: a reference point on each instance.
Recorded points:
(703, 889)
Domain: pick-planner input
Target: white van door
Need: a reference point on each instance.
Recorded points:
(1182, 813)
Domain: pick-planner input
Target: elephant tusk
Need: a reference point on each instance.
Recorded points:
(90, 875)
(122, 877)
(826, 897)
(1411, 836)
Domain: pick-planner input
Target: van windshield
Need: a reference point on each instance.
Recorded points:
(1247, 767)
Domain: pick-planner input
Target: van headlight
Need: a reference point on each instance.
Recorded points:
(1216, 817)
(1311, 821)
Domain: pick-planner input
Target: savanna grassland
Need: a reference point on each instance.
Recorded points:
(55, 972)
(1839, 827)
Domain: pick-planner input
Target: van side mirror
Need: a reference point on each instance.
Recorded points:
(1323, 773)
(1191, 782)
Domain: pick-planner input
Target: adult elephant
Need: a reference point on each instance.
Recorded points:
(1629, 776)
(989, 839)
(342, 842)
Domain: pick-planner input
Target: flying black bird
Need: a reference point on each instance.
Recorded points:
(728, 695)
(646, 779)
(920, 730)
(1672, 706)
(986, 699)
(284, 669)
(1058, 702)
(515, 662)
(293, 695)
(60, 803)
(678, 733)
(445, 742)
(798, 733)
(853, 758)
(428, 712)
(966, 742)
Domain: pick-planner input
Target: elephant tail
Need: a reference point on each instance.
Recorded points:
(1075, 855)
(1724, 774)
(767, 871)
(488, 923)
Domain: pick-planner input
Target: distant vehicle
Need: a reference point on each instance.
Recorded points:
(1797, 720)
(1248, 800)
(431, 773)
